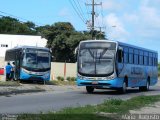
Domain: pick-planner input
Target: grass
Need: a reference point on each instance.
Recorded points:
(10, 83)
(59, 82)
(89, 112)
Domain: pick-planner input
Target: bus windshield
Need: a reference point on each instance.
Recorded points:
(96, 59)
(36, 59)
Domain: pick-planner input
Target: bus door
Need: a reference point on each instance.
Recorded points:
(17, 65)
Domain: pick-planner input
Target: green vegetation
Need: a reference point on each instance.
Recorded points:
(10, 83)
(71, 78)
(62, 36)
(10, 25)
(63, 39)
(59, 78)
(59, 82)
(114, 106)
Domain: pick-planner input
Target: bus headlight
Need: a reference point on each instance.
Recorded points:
(111, 77)
(46, 76)
(80, 77)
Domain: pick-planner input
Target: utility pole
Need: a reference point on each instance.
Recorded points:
(93, 14)
(100, 31)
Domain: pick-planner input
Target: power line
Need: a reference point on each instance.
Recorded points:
(2, 15)
(80, 16)
(87, 9)
(102, 16)
(96, 17)
(10, 15)
(13, 15)
(81, 10)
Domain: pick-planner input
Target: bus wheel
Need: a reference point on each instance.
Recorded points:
(145, 88)
(123, 89)
(89, 89)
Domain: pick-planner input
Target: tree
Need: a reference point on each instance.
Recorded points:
(63, 39)
(10, 25)
(62, 36)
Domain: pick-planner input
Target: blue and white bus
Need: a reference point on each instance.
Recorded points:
(115, 65)
(31, 63)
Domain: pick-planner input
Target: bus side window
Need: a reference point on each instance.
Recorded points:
(150, 59)
(120, 55)
(141, 57)
(136, 56)
(126, 55)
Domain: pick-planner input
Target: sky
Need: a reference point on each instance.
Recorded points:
(136, 22)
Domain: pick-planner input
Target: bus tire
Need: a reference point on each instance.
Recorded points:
(145, 88)
(89, 89)
(123, 89)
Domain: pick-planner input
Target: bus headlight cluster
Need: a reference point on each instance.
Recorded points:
(35, 73)
(26, 71)
(46, 76)
(110, 77)
(96, 78)
(80, 77)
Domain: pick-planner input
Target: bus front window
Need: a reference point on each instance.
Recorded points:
(36, 60)
(96, 61)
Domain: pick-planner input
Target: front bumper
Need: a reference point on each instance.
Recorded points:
(113, 83)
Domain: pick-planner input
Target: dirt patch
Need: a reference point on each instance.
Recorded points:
(152, 109)
(11, 90)
(35, 87)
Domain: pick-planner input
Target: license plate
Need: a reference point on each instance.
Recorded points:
(94, 83)
(105, 87)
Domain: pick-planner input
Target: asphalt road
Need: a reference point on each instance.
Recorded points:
(58, 99)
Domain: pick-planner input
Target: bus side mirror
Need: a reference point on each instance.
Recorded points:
(76, 53)
(52, 58)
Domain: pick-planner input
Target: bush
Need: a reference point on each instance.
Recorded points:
(68, 78)
(71, 78)
(60, 78)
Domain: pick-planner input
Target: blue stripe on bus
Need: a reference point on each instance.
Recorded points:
(25, 76)
(117, 82)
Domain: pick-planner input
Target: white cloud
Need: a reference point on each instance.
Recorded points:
(144, 20)
(132, 18)
(64, 12)
(115, 27)
(149, 17)
(111, 5)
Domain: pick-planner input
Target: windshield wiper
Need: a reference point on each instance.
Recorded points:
(102, 53)
(92, 54)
